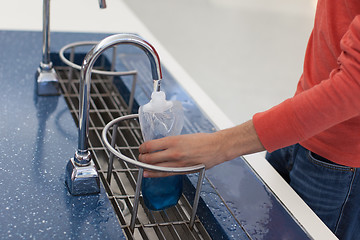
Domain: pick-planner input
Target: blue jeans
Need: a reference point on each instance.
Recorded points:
(332, 191)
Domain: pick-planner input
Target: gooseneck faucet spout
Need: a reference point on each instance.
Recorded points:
(82, 158)
(85, 81)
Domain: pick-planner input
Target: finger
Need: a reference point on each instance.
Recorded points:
(155, 174)
(152, 174)
(157, 157)
(153, 145)
(161, 158)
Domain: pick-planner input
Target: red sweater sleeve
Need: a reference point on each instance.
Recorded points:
(312, 111)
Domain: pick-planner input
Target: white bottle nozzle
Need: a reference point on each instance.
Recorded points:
(157, 103)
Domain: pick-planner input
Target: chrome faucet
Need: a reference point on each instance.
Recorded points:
(46, 77)
(81, 174)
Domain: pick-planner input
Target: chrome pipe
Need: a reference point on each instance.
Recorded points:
(111, 158)
(46, 34)
(136, 199)
(197, 198)
(81, 156)
(46, 77)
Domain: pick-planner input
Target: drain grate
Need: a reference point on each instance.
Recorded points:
(107, 104)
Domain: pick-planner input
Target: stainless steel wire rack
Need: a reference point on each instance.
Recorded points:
(108, 104)
(114, 124)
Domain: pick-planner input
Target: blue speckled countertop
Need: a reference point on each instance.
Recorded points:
(38, 136)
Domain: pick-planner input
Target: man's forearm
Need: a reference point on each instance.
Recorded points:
(239, 140)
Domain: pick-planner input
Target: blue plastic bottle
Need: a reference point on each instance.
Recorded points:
(161, 193)
(160, 118)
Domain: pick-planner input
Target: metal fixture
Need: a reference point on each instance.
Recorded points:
(81, 175)
(183, 170)
(70, 63)
(46, 76)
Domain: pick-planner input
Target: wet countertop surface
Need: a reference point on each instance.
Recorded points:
(38, 136)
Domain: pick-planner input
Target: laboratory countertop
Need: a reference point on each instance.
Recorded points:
(38, 136)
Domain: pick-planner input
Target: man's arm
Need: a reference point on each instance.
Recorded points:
(209, 149)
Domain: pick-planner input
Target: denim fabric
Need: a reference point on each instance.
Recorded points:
(332, 191)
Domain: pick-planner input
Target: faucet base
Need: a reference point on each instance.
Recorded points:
(82, 180)
(47, 82)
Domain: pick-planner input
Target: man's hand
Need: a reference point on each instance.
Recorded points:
(209, 149)
(182, 151)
